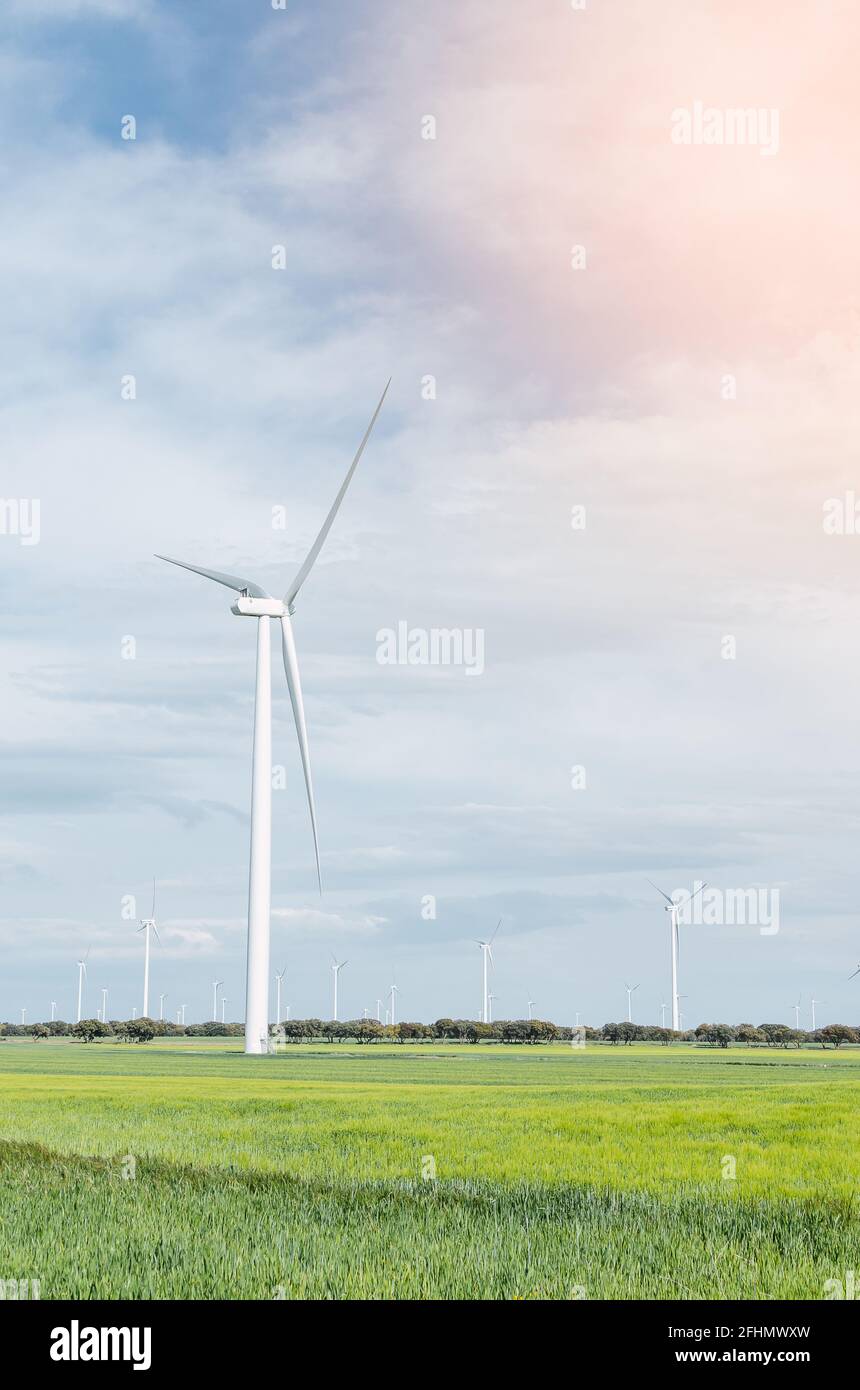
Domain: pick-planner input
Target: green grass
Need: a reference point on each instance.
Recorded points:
(555, 1169)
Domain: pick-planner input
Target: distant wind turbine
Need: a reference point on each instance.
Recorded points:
(813, 1002)
(393, 993)
(379, 1010)
(487, 956)
(631, 990)
(796, 1008)
(104, 1006)
(216, 985)
(147, 925)
(161, 999)
(336, 967)
(279, 981)
(82, 970)
(663, 1008)
(673, 910)
(491, 999)
(53, 1010)
(531, 1006)
(23, 1017)
(223, 1009)
(255, 602)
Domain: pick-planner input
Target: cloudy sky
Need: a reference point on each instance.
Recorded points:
(625, 396)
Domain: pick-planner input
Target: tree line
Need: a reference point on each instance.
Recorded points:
(370, 1030)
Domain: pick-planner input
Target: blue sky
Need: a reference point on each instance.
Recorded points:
(555, 389)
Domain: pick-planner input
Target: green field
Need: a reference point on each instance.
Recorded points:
(559, 1173)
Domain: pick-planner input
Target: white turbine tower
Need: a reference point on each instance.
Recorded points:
(796, 1008)
(104, 1006)
(255, 602)
(663, 1008)
(223, 1009)
(336, 967)
(216, 985)
(631, 990)
(813, 1003)
(148, 924)
(23, 1017)
(53, 1010)
(673, 910)
(491, 999)
(392, 1012)
(161, 999)
(487, 956)
(379, 1010)
(531, 1006)
(279, 980)
(82, 970)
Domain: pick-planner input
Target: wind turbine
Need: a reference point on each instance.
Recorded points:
(491, 999)
(104, 1006)
(631, 990)
(813, 1003)
(223, 1008)
(337, 966)
(663, 1008)
(23, 1017)
(82, 970)
(393, 993)
(216, 984)
(531, 1006)
(53, 1010)
(134, 1012)
(161, 999)
(487, 954)
(183, 1007)
(145, 926)
(279, 979)
(255, 602)
(379, 1010)
(796, 1008)
(673, 910)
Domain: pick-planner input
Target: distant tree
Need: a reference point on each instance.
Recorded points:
(837, 1034)
(777, 1034)
(40, 1031)
(140, 1030)
(749, 1034)
(90, 1028)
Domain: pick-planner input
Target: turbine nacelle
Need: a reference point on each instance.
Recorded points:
(248, 607)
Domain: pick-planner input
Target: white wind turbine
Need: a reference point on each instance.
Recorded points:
(392, 1012)
(631, 990)
(532, 1003)
(491, 999)
(487, 956)
(255, 602)
(336, 967)
(148, 924)
(279, 981)
(223, 1009)
(813, 1002)
(161, 999)
(796, 1008)
(379, 1010)
(82, 970)
(216, 985)
(673, 910)
(23, 1017)
(663, 1008)
(53, 1010)
(104, 1006)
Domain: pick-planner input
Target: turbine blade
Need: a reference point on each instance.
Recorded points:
(157, 937)
(230, 581)
(291, 668)
(856, 972)
(317, 546)
(496, 932)
(660, 891)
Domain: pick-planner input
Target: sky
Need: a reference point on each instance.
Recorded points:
(619, 454)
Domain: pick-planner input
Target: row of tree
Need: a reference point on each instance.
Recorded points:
(369, 1030)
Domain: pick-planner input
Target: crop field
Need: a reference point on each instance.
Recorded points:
(185, 1170)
